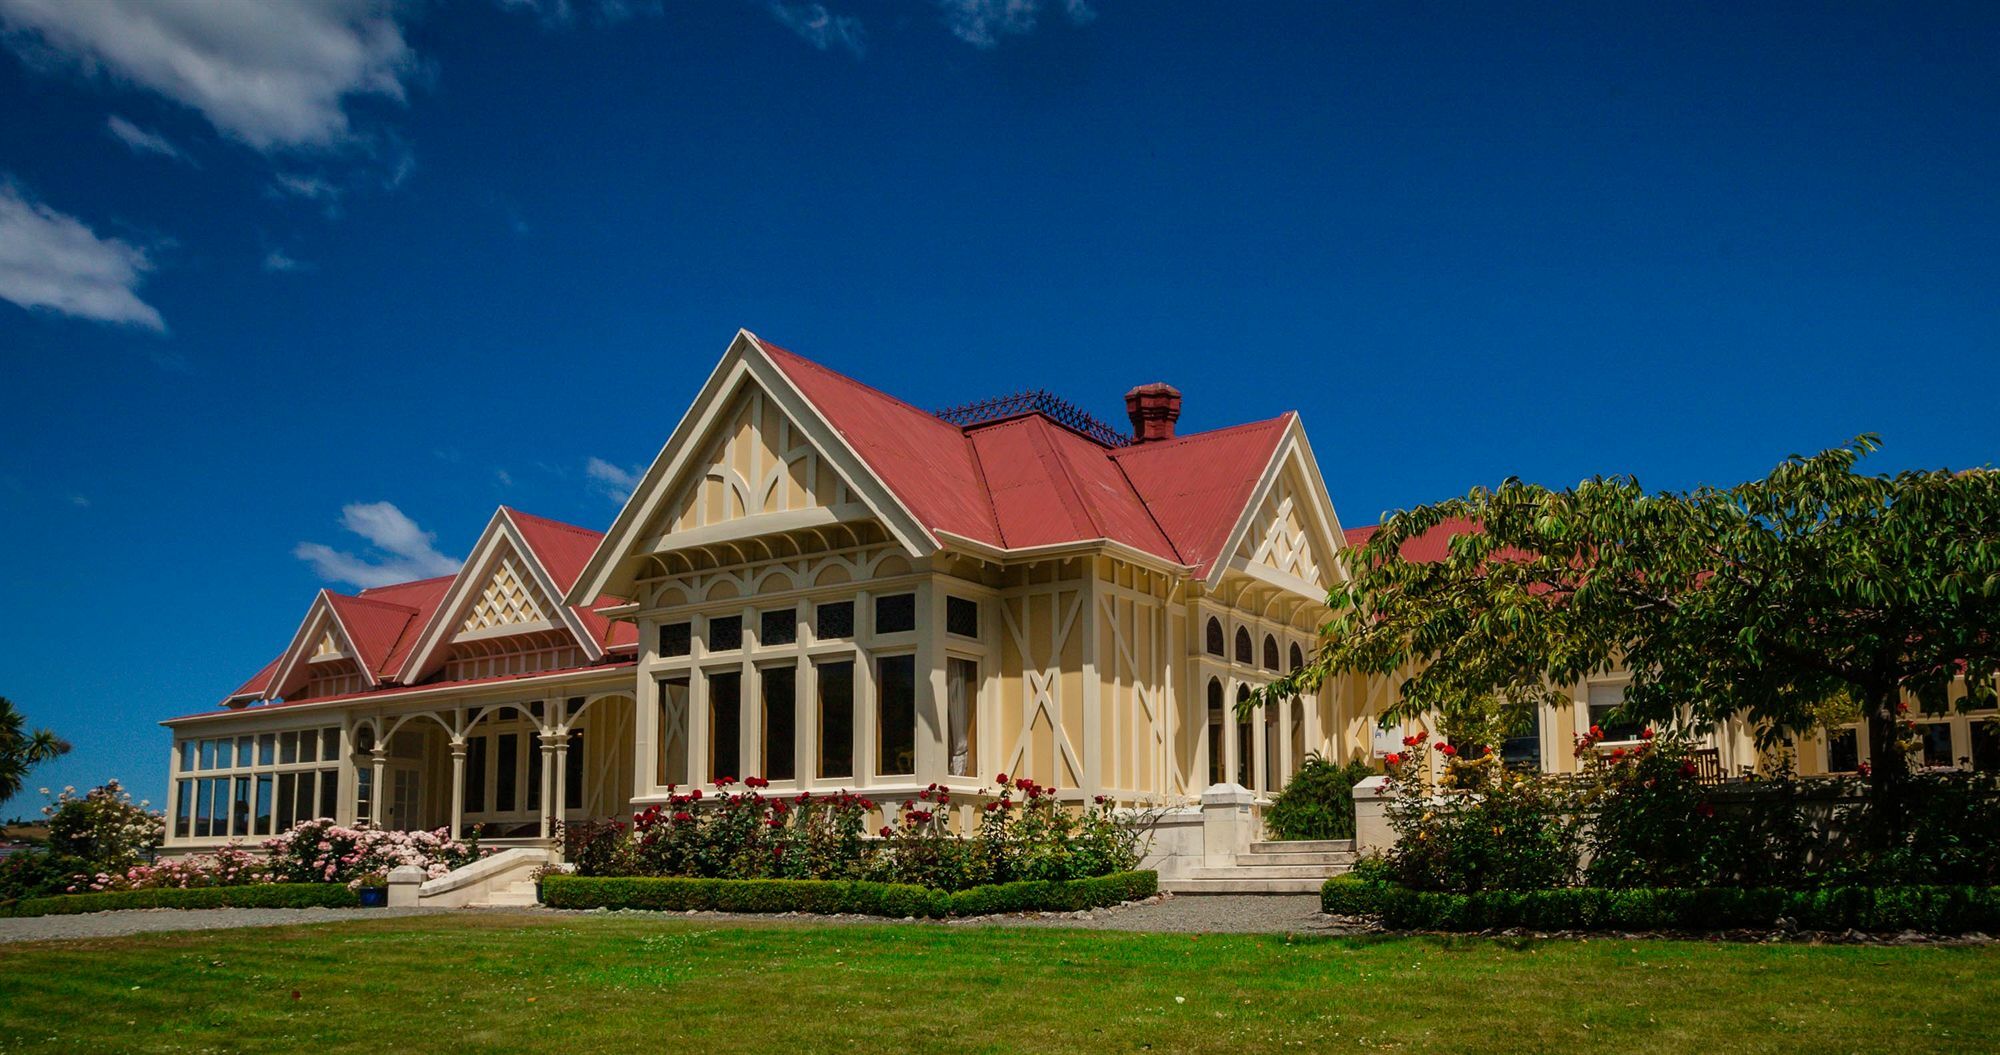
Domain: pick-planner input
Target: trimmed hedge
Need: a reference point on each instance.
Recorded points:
(258, 895)
(1930, 909)
(827, 897)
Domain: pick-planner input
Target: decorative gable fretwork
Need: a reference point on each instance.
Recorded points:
(328, 645)
(1282, 537)
(759, 463)
(509, 599)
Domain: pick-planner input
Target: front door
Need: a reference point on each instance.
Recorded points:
(405, 798)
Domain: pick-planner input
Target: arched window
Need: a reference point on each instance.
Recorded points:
(1216, 770)
(1246, 747)
(1245, 652)
(1215, 636)
(1298, 657)
(1270, 652)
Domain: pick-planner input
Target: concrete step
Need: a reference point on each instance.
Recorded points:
(1242, 886)
(1336, 859)
(1320, 872)
(519, 894)
(1303, 846)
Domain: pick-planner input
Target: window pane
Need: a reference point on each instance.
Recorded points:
(961, 616)
(1298, 657)
(1604, 702)
(220, 800)
(1986, 746)
(239, 813)
(1937, 743)
(780, 626)
(267, 749)
(834, 619)
(1843, 751)
(364, 793)
(1270, 652)
(781, 711)
(207, 754)
(673, 732)
(506, 756)
(245, 753)
(183, 806)
(329, 745)
(287, 793)
(676, 639)
(573, 770)
(475, 774)
(1246, 743)
(1243, 648)
(202, 825)
(961, 686)
(1213, 642)
(288, 748)
(308, 744)
(329, 792)
(895, 613)
(836, 719)
(187, 756)
(1218, 769)
(725, 633)
(897, 693)
(535, 762)
(264, 804)
(1524, 751)
(725, 728)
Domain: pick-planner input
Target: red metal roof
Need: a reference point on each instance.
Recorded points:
(422, 597)
(1028, 481)
(563, 550)
(1196, 486)
(1428, 548)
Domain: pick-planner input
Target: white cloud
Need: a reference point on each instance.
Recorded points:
(143, 142)
(600, 12)
(399, 550)
(311, 188)
(278, 261)
(615, 481)
(822, 28)
(981, 23)
(274, 75)
(54, 261)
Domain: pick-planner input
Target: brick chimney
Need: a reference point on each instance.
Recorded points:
(1153, 409)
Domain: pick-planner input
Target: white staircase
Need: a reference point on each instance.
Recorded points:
(518, 894)
(1292, 867)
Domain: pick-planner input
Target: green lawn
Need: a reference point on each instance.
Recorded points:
(479, 983)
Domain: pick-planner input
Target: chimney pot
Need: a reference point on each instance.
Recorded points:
(1153, 409)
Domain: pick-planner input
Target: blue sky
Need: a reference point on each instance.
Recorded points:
(347, 275)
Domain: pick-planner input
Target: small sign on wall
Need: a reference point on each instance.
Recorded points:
(1388, 739)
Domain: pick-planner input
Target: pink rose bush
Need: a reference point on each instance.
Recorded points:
(315, 851)
(321, 851)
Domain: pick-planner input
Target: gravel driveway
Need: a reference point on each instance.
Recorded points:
(1234, 914)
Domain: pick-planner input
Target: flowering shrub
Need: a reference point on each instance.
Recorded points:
(229, 866)
(320, 851)
(103, 830)
(1318, 802)
(1023, 833)
(1483, 829)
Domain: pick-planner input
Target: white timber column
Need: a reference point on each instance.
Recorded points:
(1286, 763)
(805, 700)
(551, 721)
(931, 722)
(750, 701)
(379, 763)
(458, 785)
(557, 798)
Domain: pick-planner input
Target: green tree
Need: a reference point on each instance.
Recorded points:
(1817, 589)
(21, 750)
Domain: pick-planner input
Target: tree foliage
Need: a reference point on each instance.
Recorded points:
(21, 750)
(1818, 589)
